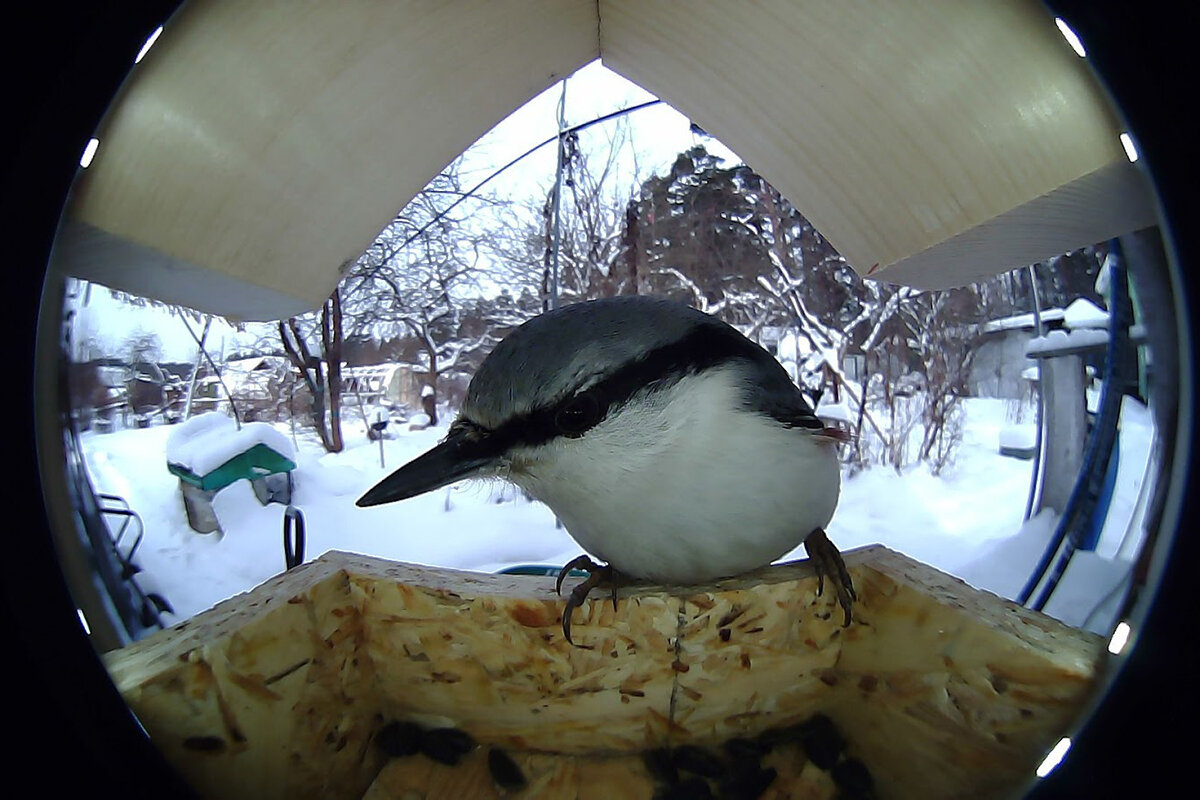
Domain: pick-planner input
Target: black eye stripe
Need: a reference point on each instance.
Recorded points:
(705, 347)
(579, 414)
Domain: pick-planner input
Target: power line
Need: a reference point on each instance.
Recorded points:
(470, 192)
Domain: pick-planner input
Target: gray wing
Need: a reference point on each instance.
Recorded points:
(771, 391)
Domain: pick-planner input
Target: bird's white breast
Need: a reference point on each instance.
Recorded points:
(686, 485)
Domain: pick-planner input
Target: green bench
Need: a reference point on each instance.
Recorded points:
(209, 452)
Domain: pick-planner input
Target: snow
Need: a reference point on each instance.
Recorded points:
(1056, 341)
(1104, 276)
(1117, 539)
(1020, 436)
(1083, 313)
(1021, 321)
(837, 412)
(207, 441)
(966, 521)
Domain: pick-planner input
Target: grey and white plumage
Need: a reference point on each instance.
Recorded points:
(670, 445)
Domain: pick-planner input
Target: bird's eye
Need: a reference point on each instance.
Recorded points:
(577, 415)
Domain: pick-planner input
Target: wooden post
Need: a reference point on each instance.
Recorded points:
(1065, 432)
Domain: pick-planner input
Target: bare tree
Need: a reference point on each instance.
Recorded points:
(321, 370)
(945, 342)
(599, 197)
(418, 278)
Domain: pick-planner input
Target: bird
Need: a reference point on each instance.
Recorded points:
(671, 447)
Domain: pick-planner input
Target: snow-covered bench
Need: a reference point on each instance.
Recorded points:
(209, 452)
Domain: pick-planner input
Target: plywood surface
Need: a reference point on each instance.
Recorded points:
(260, 147)
(941, 690)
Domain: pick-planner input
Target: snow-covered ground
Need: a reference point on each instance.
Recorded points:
(967, 521)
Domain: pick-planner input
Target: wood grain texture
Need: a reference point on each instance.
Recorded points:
(265, 145)
(942, 691)
(272, 142)
(897, 127)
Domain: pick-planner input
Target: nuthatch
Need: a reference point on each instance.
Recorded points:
(670, 446)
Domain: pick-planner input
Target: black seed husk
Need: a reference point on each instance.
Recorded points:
(660, 765)
(821, 741)
(693, 788)
(745, 751)
(447, 745)
(205, 744)
(697, 761)
(852, 775)
(399, 738)
(773, 737)
(748, 784)
(505, 772)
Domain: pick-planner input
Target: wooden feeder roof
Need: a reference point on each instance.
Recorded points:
(259, 147)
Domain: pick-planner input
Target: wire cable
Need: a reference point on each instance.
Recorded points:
(470, 192)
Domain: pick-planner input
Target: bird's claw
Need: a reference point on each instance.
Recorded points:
(598, 574)
(828, 561)
(582, 562)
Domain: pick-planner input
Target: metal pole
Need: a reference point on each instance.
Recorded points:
(562, 157)
(187, 405)
(232, 407)
(1035, 479)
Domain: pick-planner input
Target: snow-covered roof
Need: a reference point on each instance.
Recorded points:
(1020, 321)
(1066, 342)
(1018, 435)
(371, 370)
(836, 412)
(206, 441)
(1083, 313)
(252, 363)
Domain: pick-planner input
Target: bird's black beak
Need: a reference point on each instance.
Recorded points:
(461, 455)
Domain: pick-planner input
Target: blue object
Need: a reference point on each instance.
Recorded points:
(1091, 536)
(539, 569)
(1102, 440)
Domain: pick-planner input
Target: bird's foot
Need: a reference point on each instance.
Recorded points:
(598, 573)
(828, 561)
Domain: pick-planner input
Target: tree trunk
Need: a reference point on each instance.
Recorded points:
(859, 457)
(429, 404)
(630, 241)
(331, 341)
(324, 380)
(429, 401)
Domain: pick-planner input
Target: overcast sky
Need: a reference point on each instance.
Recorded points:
(658, 133)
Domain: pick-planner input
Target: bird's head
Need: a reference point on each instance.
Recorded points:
(561, 374)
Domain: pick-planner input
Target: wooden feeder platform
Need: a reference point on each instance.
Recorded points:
(938, 690)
